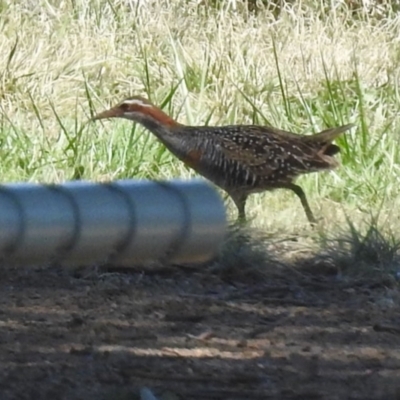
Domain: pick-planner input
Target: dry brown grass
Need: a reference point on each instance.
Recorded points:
(60, 59)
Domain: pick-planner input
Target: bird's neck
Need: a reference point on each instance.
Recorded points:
(154, 118)
(166, 129)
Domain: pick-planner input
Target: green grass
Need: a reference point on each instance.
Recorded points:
(303, 69)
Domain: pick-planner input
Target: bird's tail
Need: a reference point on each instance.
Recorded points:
(325, 138)
(328, 135)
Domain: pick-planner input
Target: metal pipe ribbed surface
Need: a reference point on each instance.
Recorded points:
(122, 222)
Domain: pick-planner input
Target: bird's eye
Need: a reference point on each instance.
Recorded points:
(124, 107)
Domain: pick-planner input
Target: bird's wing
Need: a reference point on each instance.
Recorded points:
(267, 151)
(257, 145)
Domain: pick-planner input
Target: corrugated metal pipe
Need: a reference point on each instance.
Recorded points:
(122, 223)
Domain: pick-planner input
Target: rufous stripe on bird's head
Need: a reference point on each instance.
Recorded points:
(149, 109)
(139, 108)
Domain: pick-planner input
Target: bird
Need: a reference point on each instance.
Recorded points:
(239, 159)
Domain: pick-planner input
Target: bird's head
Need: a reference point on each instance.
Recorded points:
(137, 109)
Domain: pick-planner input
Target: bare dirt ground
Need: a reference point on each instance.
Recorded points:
(187, 334)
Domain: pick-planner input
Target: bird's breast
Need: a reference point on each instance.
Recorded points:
(193, 158)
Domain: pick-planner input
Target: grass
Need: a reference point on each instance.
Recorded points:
(304, 69)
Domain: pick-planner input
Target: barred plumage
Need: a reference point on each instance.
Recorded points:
(241, 159)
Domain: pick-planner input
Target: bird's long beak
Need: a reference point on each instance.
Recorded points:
(111, 113)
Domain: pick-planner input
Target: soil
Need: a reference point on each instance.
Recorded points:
(189, 334)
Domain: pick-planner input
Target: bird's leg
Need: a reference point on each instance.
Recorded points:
(302, 196)
(240, 201)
